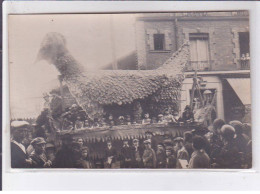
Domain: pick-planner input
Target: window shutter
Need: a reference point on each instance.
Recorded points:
(150, 41)
(168, 41)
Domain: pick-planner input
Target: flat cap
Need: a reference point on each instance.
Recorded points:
(50, 145)
(169, 148)
(238, 126)
(148, 141)
(85, 148)
(167, 141)
(19, 124)
(160, 144)
(38, 140)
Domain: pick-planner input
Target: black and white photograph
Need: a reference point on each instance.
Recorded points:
(164, 90)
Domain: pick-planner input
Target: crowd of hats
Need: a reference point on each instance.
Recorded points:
(198, 137)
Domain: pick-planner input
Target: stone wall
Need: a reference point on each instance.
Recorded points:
(223, 39)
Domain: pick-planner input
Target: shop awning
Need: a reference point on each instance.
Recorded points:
(242, 87)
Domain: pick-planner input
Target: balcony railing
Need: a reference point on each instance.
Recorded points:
(199, 65)
(244, 63)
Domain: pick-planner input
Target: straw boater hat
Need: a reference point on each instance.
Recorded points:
(178, 139)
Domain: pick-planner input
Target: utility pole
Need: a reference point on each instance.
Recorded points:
(112, 38)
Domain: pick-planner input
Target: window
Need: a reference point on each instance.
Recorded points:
(199, 51)
(159, 42)
(244, 43)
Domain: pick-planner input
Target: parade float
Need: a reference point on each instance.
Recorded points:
(118, 93)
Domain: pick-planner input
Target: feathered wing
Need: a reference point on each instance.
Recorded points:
(94, 89)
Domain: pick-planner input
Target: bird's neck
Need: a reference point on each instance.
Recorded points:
(68, 66)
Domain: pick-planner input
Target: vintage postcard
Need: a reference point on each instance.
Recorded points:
(140, 91)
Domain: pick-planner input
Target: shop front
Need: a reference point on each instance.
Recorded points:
(237, 100)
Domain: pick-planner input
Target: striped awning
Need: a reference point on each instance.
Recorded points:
(242, 87)
(128, 132)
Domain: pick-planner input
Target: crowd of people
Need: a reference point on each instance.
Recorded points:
(223, 145)
(75, 118)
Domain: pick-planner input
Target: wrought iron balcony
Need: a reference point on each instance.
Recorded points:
(244, 63)
(199, 65)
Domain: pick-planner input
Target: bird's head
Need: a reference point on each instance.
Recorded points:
(52, 47)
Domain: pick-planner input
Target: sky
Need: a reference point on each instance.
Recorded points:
(88, 39)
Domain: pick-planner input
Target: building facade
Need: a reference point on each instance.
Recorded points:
(219, 52)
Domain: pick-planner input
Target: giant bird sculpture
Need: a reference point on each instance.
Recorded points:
(92, 90)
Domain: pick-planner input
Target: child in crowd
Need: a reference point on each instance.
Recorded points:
(161, 119)
(146, 119)
(182, 153)
(79, 123)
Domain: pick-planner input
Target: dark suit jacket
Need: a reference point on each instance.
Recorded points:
(18, 157)
(38, 162)
(127, 153)
(111, 152)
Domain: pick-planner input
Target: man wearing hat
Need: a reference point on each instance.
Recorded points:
(127, 155)
(188, 142)
(65, 156)
(110, 155)
(149, 156)
(149, 136)
(216, 143)
(50, 151)
(138, 154)
(19, 158)
(160, 156)
(182, 153)
(240, 138)
(229, 156)
(39, 159)
(170, 158)
(47, 102)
